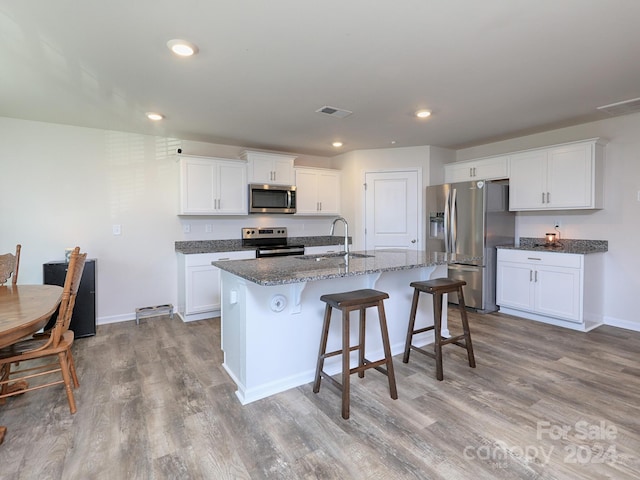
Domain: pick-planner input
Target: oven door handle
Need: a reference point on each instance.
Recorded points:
(279, 251)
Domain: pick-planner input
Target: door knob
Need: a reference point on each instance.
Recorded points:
(413, 241)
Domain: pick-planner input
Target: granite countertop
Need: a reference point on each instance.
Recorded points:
(307, 268)
(215, 246)
(581, 247)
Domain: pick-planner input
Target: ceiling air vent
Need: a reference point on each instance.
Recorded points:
(334, 112)
(622, 108)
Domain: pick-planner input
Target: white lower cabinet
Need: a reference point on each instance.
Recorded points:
(199, 283)
(550, 287)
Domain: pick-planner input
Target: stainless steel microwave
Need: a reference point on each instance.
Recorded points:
(272, 198)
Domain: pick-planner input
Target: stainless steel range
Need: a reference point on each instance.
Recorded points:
(270, 242)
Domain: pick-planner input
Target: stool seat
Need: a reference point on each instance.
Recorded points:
(354, 299)
(346, 302)
(438, 287)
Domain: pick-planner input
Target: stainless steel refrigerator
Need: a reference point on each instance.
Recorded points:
(471, 218)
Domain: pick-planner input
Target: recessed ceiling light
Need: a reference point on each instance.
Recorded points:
(154, 116)
(182, 47)
(423, 113)
(337, 144)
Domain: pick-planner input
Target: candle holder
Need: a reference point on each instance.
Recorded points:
(550, 239)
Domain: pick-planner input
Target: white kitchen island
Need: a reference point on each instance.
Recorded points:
(272, 313)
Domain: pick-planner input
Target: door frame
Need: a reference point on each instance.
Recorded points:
(420, 195)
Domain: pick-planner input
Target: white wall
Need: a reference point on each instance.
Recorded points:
(618, 222)
(64, 186)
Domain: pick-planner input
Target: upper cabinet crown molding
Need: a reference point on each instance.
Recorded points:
(269, 168)
(490, 168)
(561, 177)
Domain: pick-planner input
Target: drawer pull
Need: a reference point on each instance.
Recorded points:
(533, 258)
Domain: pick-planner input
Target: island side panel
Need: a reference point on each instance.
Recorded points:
(269, 348)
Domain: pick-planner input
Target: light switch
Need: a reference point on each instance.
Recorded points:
(186, 228)
(208, 228)
(117, 229)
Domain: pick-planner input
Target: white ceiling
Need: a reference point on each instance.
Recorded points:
(487, 69)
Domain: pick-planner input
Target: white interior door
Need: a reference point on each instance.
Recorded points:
(392, 210)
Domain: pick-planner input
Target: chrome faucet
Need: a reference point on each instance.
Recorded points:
(346, 232)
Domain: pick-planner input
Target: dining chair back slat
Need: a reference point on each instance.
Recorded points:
(9, 265)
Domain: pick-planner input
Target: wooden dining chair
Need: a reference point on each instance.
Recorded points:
(57, 345)
(9, 264)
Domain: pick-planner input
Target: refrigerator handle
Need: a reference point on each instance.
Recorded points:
(447, 222)
(454, 223)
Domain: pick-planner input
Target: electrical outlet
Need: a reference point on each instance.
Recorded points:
(186, 228)
(557, 224)
(208, 228)
(116, 229)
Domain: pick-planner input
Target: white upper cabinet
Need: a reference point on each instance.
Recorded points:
(317, 191)
(483, 169)
(212, 186)
(269, 168)
(563, 177)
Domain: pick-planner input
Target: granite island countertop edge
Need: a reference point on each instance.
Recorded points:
(288, 270)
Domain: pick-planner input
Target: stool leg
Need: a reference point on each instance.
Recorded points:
(466, 330)
(412, 323)
(387, 351)
(437, 319)
(323, 348)
(361, 337)
(345, 364)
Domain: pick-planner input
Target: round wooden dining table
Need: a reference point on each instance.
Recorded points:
(25, 309)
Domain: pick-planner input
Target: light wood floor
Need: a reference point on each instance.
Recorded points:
(154, 402)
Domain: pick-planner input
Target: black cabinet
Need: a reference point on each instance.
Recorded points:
(83, 321)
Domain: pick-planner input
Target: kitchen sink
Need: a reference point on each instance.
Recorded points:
(327, 256)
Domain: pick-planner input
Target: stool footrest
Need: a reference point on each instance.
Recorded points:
(422, 351)
(338, 352)
(422, 330)
(454, 340)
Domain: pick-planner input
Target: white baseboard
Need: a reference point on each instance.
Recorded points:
(115, 319)
(626, 324)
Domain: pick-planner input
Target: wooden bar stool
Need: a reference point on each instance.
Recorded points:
(346, 302)
(437, 287)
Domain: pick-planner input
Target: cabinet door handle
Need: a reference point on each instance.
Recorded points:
(320, 205)
(547, 197)
(542, 197)
(474, 171)
(536, 276)
(531, 275)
